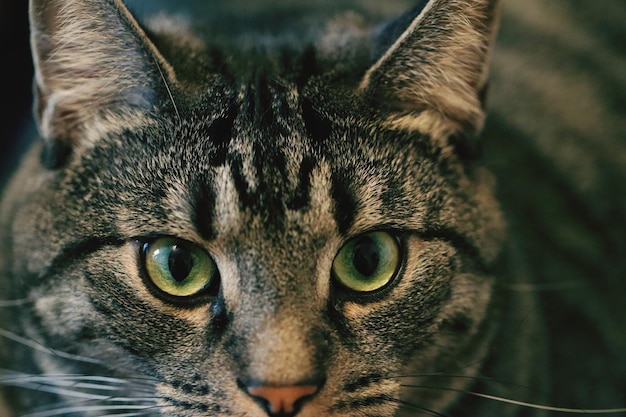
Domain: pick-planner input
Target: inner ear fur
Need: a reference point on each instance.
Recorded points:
(432, 78)
(93, 66)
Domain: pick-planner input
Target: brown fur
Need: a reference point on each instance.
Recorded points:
(270, 148)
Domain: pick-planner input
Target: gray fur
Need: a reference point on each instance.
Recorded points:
(269, 149)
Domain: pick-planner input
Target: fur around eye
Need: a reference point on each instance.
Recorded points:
(178, 268)
(368, 262)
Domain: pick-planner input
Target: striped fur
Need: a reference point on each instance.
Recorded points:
(269, 146)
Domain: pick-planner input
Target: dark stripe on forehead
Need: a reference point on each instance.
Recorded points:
(346, 204)
(202, 202)
(264, 107)
(317, 127)
(301, 197)
(273, 193)
(264, 200)
(220, 132)
(263, 155)
(258, 102)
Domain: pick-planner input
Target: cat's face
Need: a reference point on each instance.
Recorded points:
(254, 245)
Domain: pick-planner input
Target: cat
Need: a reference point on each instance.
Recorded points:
(265, 209)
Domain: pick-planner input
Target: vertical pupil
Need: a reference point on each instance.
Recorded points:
(366, 257)
(180, 263)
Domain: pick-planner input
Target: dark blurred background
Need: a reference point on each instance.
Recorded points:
(17, 72)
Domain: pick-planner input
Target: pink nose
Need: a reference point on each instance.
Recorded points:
(282, 400)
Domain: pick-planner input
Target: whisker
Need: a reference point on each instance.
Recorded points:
(145, 406)
(86, 408)
(74, 383)
(124, 415)
(133, 414)
(547, 407)
(524, 403)
(472, 377)
(65, 379)
(74, 393)
(408, 405)
(167, 87)
(41, 348)
(72, 386)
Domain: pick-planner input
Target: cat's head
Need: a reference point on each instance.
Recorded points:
(274, 229)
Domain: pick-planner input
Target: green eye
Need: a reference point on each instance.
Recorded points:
(179, 268)
(367, 263)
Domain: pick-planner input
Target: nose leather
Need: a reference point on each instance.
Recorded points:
(282, 400)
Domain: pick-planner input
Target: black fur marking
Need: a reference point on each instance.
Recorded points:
(346, 204)
(361, 382)
(76, 252)
(221, 316)
(318, 128)
(266, 199)
(195, 387)
(359, 403)
(272, 195)
(308, 67)
(392, 196)
(221, 132)
(462, 244)
(202, 201)
(188, 405)
(266, 110)
(301, 197)
(260, 105)
(339, 321)
(236, 167)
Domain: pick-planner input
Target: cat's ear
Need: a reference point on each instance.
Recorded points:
(95, 70)
(433, 73)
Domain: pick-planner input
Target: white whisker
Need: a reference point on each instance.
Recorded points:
(524, 403)
(167, 87)
(61, 391)
(547, 407)
(88, 388)
(86, 408)
(41, 348)
(67, 380)
(123, 415)
(485, 379)
(408, 405)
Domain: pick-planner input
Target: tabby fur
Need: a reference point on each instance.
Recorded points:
(270, 142)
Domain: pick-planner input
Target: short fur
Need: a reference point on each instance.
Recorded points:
(269, 148)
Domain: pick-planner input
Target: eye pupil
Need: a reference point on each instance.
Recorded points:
(366, 257)
(180, 263)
